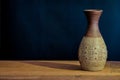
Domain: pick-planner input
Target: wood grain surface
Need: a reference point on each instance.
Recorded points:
(55, 70)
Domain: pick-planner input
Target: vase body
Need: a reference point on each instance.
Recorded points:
(92, 52)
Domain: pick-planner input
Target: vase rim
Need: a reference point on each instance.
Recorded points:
(93, 10)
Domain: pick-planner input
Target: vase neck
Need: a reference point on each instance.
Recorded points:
(93, 20)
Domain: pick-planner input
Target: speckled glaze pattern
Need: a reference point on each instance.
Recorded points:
(92, 53)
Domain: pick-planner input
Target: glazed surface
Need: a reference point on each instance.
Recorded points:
(92, 53)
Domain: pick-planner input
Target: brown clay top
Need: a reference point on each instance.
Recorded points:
(93, 16)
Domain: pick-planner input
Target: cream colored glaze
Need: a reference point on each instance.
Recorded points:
(92, 53)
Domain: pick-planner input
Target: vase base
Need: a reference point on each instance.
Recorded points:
(92, 68)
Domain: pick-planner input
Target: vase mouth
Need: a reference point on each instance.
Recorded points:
(93, 10)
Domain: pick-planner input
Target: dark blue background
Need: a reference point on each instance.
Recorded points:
(53, 29)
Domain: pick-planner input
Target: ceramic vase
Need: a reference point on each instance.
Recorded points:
(92, 52)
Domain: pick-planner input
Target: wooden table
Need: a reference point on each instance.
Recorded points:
(55, 70)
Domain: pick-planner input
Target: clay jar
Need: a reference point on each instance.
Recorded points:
(92, 52)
